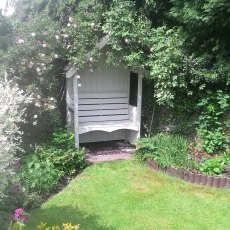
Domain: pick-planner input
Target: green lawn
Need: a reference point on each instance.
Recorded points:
(127, 195)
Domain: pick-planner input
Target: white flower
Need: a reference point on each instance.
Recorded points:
(35, 123)
(91, 59)
(74, 25)
(92, 24)
(68, 25)
(78, 77)
(44, 68)
(33, 34)
(44, 45)
(35, 116)
(68, 46)
(79, 85)
(20, 41)
(70, 19)
(37, 105)
(31, 64)
(127, 41)
(51, 107)
(12, 70)
(42, 55)
(65, 35)
(52, 99)
(38, 97)
(57, 37)
(151, 49)
(38, 69)
(91, 70)
(55, 56)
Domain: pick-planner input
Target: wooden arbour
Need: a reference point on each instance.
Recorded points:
(98, 106)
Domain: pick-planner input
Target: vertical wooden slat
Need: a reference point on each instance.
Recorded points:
(76, 124)
(68, 115)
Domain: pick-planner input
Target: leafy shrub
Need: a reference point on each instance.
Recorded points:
(13, 198)
(167, 150)
(12, 110)
(39, 176)
(19, 220)
(211, 130)
(215, 165)
(62, 153)
(43, 168)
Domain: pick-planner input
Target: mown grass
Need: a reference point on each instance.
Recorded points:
(127, 195)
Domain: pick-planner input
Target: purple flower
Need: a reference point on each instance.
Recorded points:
(20, 215)
(17, 213)
(25, 219)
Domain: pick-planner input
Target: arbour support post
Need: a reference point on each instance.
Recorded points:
(75, 103)
(139, 101)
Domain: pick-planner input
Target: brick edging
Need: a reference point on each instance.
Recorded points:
(196, 178)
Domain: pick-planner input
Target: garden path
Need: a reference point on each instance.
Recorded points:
(109, 151)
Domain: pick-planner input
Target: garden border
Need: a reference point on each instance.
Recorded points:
(192, 177)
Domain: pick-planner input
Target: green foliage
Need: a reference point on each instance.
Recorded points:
(5, 32)
(39, 176)
(211, 129)
(215, 165)
(14, 198)
(44, 167)
(167, 150)
(62, 153)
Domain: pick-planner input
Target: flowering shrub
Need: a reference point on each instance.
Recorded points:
(12, 111)
(19, 220)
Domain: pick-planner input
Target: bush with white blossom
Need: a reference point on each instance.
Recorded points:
(12, 111)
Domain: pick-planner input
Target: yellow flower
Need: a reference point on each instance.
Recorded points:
(41, 226)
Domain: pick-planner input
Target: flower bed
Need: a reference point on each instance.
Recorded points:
(192, 177)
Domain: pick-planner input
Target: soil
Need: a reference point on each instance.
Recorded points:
(108, 151)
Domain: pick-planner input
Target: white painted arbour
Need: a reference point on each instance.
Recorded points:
(98, 106)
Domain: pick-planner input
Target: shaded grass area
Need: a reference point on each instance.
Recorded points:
(127, 195)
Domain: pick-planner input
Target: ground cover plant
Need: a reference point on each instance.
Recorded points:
(175, 150)
(166, 149)
(217, 165)
(128, 195)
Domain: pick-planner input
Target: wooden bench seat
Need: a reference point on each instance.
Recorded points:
(107, 126)
(104, 112)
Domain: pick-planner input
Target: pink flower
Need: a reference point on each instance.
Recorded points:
(20, 215)
(17, 213)
(25, 219)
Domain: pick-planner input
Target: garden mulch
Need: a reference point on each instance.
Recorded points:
(108, 151)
